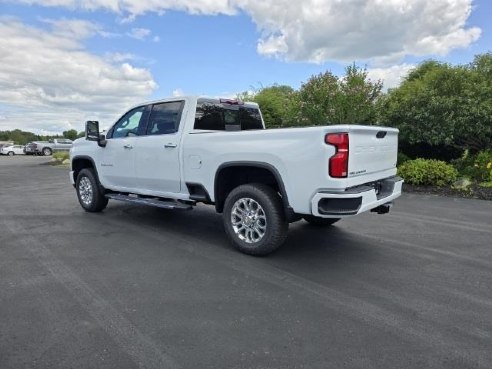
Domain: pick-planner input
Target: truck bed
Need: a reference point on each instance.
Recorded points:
(304, 149)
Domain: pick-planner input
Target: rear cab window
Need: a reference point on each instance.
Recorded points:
(226, 115)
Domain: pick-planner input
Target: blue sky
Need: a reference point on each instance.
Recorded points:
(224, 49)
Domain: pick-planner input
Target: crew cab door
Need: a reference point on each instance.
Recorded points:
(117, 164)
(157, 164)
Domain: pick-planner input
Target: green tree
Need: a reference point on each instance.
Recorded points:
(17, 136)
(443, 105)
(70, 134)
(327, 99)
(279, 105)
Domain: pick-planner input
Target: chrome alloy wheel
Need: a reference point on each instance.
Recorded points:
(85, 191)
(248, 220)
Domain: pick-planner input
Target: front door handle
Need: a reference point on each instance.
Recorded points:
(170, 145)
(128, 146)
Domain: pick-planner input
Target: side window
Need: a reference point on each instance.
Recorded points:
(164, 118)
(128, 125)
(209, 116)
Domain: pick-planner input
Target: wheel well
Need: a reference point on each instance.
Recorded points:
(230, 177)
(78, 164)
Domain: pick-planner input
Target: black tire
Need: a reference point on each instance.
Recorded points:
(47, 151)
(276, 226)
(317, 221)
(97, 202)
(11, 153)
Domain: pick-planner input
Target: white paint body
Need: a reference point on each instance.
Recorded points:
(161, 165)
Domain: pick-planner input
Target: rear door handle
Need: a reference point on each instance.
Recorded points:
(128, 146)
(170, 146)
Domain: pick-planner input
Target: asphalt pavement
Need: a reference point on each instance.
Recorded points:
(141, 287)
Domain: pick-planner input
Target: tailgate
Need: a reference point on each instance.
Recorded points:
(372, 150)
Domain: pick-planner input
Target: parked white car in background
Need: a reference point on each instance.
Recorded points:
(12, 150)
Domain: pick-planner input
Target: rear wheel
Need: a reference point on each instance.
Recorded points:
(89, 193)
(47, 151)
(317, 221)
(254, 219)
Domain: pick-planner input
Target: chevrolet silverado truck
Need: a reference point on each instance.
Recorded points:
(178, 152)
(47, 148)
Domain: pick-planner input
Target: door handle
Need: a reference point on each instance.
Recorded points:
(128, 146)
(170, 145)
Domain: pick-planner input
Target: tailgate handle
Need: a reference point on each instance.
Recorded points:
(381, 134)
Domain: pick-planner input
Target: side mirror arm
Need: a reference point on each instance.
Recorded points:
(102, 141)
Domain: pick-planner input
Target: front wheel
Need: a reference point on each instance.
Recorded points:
(89, 193)
(11, 153)
(47, 151)
(254, 219)
(317, 221)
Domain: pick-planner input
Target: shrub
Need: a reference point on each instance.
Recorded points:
(486, 184)
(477, 167)
(483, 166)
(428, 172)
(61, 155)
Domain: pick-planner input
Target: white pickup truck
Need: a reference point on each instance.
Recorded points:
(178, 152)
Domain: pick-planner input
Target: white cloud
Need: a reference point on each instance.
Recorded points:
(73, 28)
(132, 8)
(322, 30)
(317, 30)
(391, 76)
(60, 84)
(139, 33)
(119, 57)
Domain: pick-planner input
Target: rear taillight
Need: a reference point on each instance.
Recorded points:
(339, 161)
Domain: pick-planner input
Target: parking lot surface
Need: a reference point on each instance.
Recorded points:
(140, 287)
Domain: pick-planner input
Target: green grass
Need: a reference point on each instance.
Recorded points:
(61, 155)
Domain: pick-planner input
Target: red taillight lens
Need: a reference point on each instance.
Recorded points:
(339, 161)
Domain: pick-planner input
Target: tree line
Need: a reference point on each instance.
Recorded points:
(20, 137)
